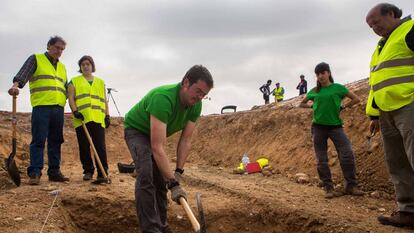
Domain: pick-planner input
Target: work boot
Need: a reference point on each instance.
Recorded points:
(58, 178)
(101, 180)
(34, 180)
(87, 176)
(354, 191)
(330, 193)
(398, 219)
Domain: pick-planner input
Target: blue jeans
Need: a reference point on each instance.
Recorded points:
(47, 122)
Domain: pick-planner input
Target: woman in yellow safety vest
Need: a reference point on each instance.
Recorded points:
(87, 100)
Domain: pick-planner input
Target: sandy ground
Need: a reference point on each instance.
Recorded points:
(270, 202)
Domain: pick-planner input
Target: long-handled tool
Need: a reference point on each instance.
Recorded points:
(10, 163)
(95, 153)
(199, 225)
(201, 219)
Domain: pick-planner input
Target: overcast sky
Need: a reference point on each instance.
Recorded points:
(138, 45)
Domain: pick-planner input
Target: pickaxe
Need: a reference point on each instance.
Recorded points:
(200, 225)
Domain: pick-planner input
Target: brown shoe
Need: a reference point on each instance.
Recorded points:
(34, 180)
(58, 178)
(87, 176)
(354, 191)
(398, 219)
(101, 180)
(330, 193)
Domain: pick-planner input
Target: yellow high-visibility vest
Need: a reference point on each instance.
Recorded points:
(89, 100)
(278, 93)
(392, 73)
(48, 85)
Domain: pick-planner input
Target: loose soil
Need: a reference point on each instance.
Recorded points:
(272, 202)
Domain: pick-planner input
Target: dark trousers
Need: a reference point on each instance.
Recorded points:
(150, 187)
(266, 98)
(47, 123)
(97, 134)
(321, 134)
(397, 129)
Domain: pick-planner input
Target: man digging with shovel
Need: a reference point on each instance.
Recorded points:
(159, 114)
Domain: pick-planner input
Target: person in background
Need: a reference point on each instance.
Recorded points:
(265, 89)
(327, 104)
(390, 103)
(303, 85)
(47, 83)
(278, 92)
(87, 100)
(164, 111)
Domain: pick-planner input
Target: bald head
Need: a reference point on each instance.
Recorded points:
(384, 18)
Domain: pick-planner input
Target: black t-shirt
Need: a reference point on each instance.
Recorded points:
(409, 39)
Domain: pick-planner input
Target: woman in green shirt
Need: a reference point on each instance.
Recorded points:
(327, 99)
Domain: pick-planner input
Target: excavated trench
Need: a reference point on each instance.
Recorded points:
(104, 215)
(228, 212)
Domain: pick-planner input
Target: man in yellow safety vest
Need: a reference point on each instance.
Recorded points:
(390, 103)
(47, 82)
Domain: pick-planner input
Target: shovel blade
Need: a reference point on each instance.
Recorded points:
(13, 170)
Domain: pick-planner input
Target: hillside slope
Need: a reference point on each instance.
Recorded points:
(233, 203)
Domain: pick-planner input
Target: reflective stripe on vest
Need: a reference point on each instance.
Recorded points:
(392, 72)
(89, 95)
(90, 100)
(48, 85)
(91, 106)
(394, 63)
(48, 77)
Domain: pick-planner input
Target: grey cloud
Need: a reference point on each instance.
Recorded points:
(138, 45)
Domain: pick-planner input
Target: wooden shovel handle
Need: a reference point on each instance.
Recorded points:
(14, 120)
(193, 219)
(95, 153)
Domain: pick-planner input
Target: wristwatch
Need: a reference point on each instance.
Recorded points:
(179, 170)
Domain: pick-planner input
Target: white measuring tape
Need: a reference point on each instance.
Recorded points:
(56, 193)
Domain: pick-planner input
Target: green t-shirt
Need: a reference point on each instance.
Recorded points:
(163, 103)
(327, 104)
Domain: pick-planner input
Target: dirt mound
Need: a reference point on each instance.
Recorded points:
(281, 133)
(232, 203)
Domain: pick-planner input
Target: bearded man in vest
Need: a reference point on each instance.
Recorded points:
(47, 82)
(390, 103)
